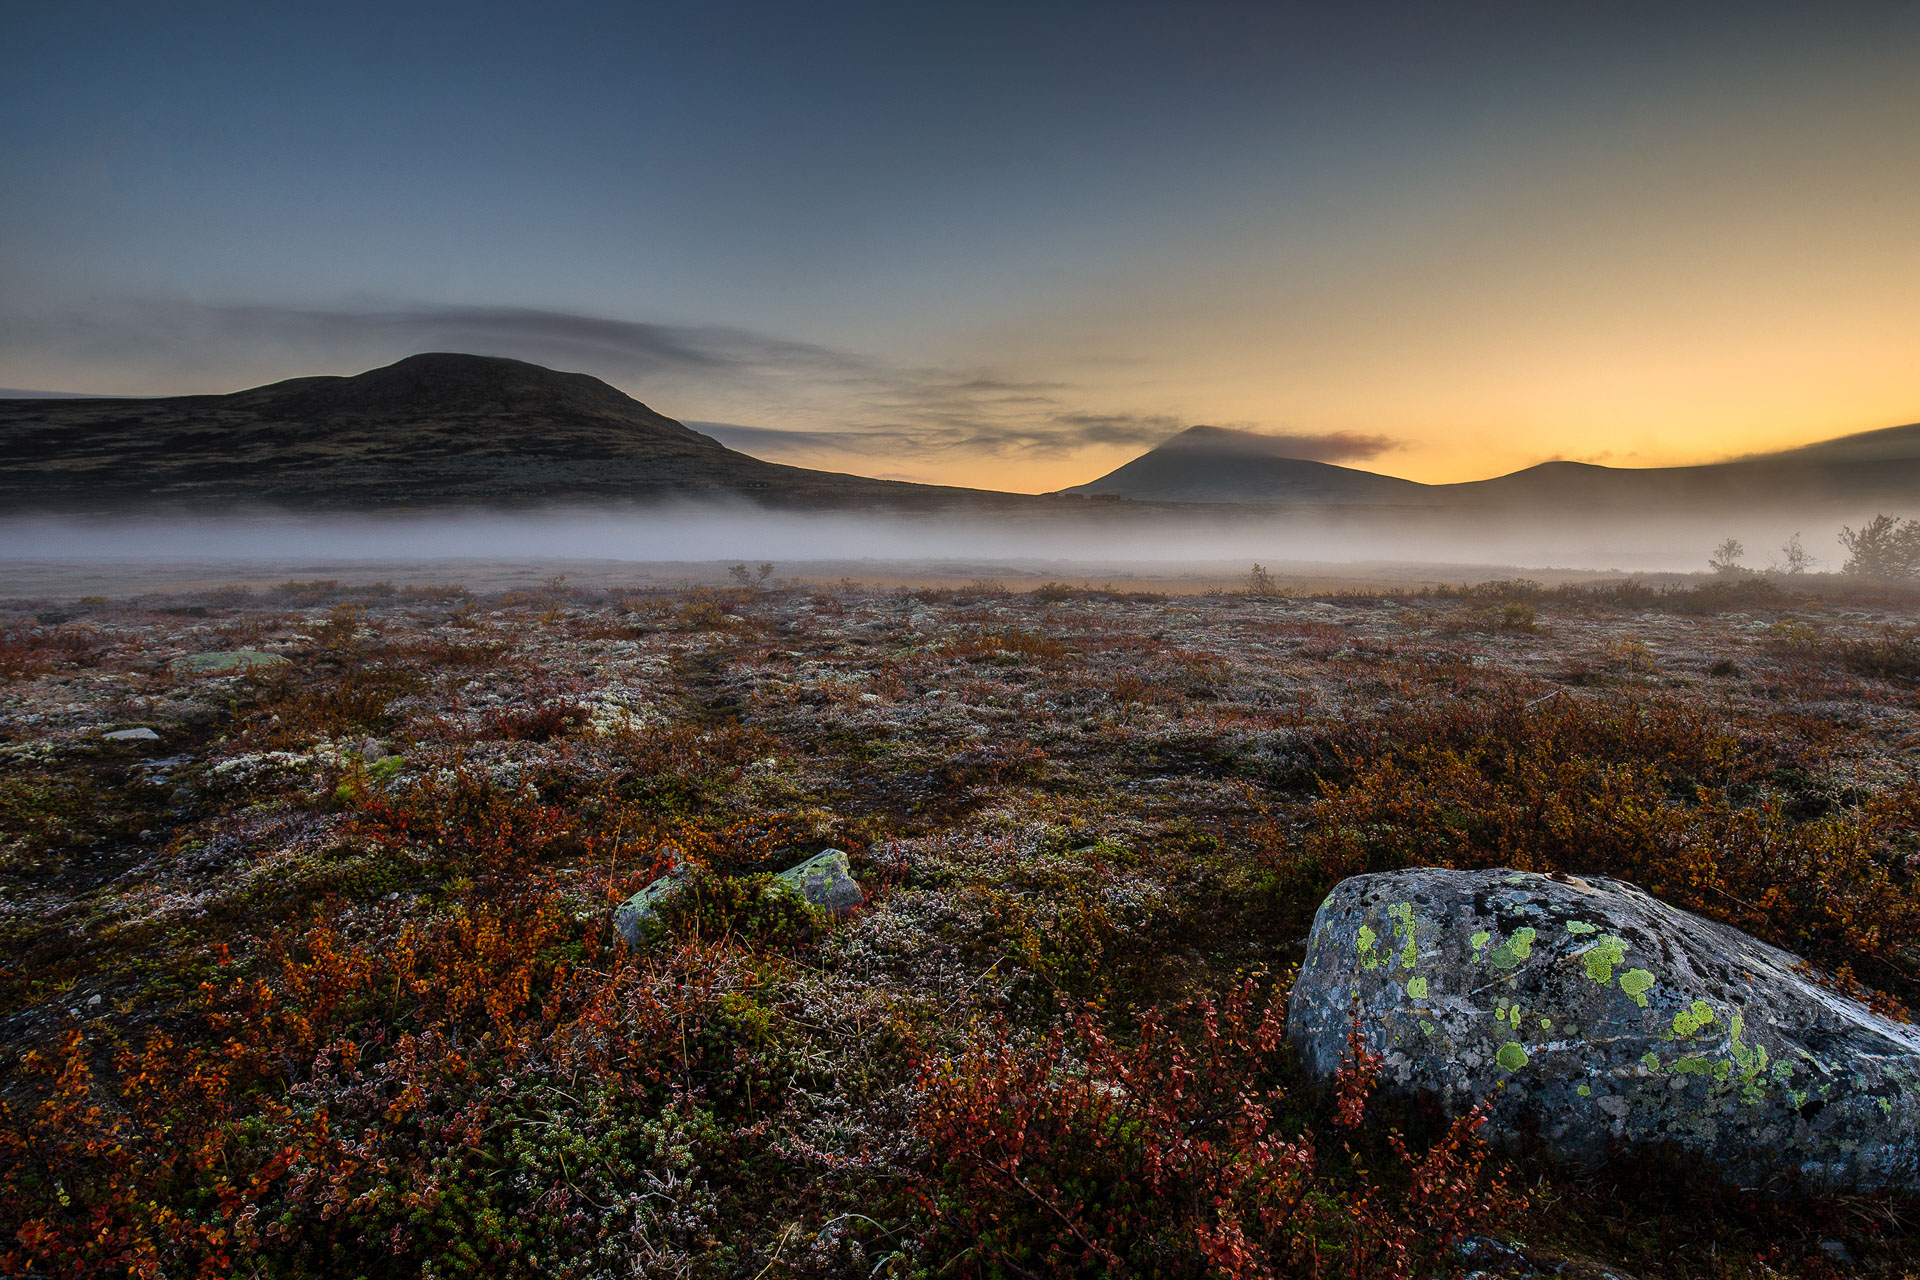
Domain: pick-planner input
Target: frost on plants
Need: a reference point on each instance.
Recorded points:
(318, 975)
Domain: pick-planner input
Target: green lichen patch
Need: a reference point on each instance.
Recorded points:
(1692, 1018)
(1417, 988)
(1405, 929)
(1602, 956)
(1517, 948)
(1636, 983)
(1581, 926)
(1512, 1055)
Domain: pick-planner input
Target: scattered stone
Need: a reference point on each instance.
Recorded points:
(1598, 1018)
(228, 662)
(630, 917)
(374, 749)
(827, 882)
(1838, 1252)
(1485, 1258)
(131, 735)
(92, 1001)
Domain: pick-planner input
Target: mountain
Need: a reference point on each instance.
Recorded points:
(1216, 464)
(432, 430)
(444, 430)
(1879, 469)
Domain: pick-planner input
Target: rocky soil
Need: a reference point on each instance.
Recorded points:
(1070, 809)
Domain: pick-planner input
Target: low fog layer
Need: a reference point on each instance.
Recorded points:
(1114, 535)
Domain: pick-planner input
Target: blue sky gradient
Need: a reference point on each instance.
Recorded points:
(1481, 230)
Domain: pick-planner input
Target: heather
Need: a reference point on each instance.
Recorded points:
(323, 981)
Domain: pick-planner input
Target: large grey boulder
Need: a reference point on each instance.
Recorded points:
(1597, 1018)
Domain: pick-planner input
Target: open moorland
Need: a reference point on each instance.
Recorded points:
(317, 975)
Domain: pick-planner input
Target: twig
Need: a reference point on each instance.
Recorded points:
(776, 1252)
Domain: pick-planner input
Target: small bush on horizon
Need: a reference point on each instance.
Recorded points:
(1884, 549)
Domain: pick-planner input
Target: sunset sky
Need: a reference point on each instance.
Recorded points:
(1009, 246)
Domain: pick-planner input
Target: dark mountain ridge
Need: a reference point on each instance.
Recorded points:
(1217, 464)
(432, 430)
(1222, 466)
(445, 430)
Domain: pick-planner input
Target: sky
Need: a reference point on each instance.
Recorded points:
(1010, 246)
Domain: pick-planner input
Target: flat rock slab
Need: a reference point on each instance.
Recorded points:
(228, 663)
(131, 735)
(1600, 1019)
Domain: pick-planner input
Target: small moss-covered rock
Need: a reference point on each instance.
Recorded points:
(231, 662)
(827, 882)
(1599, 1019)
(630, 917)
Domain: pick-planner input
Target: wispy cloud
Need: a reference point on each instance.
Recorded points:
(1330, 446)
(1047, 435)
(150, 333)
(1058, 435)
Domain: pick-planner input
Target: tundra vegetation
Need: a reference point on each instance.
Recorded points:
(321, 979)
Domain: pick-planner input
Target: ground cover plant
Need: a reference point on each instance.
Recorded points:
(320, 978)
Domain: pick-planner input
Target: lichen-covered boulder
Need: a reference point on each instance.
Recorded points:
(1598, 1018)
(827, 882)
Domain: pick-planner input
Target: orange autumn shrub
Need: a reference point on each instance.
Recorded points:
(1657, 796)
(346, 1111)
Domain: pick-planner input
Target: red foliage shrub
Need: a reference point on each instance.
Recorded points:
(1082, 1155)
(27, 651)
(543, 723)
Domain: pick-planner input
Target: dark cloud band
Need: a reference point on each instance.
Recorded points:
(890, 411)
